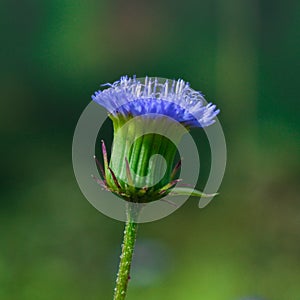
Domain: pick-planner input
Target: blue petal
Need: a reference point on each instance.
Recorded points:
(174, 99)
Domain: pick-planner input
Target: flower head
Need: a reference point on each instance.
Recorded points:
(148, 116)
(129, 97)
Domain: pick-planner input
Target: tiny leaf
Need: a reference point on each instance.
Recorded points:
(180, 191)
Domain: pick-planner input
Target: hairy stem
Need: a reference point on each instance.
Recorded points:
(125, 258)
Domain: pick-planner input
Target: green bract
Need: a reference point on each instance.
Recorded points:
(142, 166)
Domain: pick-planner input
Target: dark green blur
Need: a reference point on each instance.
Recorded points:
(243, 55)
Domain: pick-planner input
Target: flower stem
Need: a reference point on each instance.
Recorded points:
(126, 258)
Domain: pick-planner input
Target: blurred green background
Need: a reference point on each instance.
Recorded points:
(243, 55)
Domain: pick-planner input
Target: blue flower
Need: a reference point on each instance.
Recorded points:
(143, 104)
(129, 97)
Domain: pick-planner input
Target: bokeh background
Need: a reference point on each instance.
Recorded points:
(243, 55)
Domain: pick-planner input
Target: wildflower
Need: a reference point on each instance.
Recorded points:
(148, 116)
